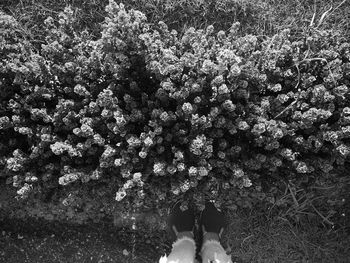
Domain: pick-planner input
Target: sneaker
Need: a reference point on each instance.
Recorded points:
(212, 220)
(181, 220)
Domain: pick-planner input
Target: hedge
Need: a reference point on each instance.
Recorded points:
(143, 116)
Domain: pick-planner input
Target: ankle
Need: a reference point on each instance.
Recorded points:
(211, 236)
(188, 234)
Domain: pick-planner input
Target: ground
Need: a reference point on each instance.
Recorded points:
(38, 241)
(251, 237)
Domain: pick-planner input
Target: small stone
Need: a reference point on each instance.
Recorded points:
(125, 252)
(3, 233)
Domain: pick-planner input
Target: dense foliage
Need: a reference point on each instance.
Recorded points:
(152, 115)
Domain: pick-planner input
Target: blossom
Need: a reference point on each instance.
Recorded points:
(179, 155)
(346, 110)
(259, 128)
(159, 168)
(221, 155)
(192, 171)
(164, 116)
(238, 172)
(247, 182)
(25, 189)
(302, 167)
(277, 133)
(181, 167)
(187, 108)
(14, 164)
(143, 154)
(148, 142)
(133, 141)
(208, 67)
(81, 90)
(120, 195)
(223, 89)
(235, 70)
(4, 122)
(59, 148)
(171, 169)
(228, 105)
(197, 100)
(343, 150)
(276, 88)
(243, 125)
(202, 171)
(118, 162)
(288, 154)
(69, 178)
(108, 152)
(185, 186)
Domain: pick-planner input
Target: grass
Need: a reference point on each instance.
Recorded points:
(261, 17)
(254, 237)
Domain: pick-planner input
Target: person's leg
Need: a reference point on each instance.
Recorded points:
(213, 223)
(181, 226)
(183, 251)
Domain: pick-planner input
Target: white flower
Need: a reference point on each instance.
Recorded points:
(142, 154)
(159, 168)
(243, 125)
(181, 167)
(238, 173)
(202, 171)
(137, 176)
(187, 108)
(120, 195)
(247, 182)
(343, 150)
(148, 141)
(192, 171)
(302, 167)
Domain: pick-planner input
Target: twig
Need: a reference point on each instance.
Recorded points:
(322, 188)
(323, 16)
(313, 17)
(338, 6)
(293, 196)
(246, 238)
(322, 216)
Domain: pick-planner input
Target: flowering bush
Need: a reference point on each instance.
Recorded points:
(148, 114)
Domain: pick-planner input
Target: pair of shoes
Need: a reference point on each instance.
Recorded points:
(211, 220)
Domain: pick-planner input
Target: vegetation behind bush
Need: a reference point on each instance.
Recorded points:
(262, 17)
